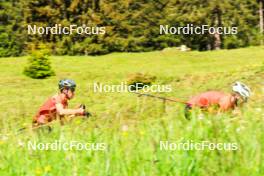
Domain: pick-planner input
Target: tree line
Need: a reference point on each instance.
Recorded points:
(131, 25)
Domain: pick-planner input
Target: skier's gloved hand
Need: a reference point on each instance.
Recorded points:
(82, 106)
(85, 113)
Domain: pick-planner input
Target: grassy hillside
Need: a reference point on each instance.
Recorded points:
(131, 126)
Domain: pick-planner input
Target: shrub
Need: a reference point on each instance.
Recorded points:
(139, 80)
(10, 45)
(39, 66)
(232, 42)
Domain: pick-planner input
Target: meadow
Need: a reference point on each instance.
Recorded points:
(132, 126)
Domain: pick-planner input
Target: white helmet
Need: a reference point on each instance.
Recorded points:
(242, 90)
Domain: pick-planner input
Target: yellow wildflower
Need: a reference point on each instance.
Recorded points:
(47, 168)
(38, 171)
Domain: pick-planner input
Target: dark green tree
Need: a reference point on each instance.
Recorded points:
(12, 36)
(261, 19)
(131, 26)
(38, 66)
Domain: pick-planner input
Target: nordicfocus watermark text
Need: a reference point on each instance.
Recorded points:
(203, 145)
(190, 29)
(66, 146)
(58, 29)
(124, 87)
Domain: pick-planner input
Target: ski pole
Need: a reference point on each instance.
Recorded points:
(161, 98)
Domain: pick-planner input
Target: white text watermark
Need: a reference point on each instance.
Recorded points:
(58, 29)
(202, 145)
(190, 29)
(66, 146)
(124, 87)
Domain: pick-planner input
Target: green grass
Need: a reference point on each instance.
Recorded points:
(132, 127)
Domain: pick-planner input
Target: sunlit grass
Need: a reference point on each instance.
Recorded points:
(133, 126)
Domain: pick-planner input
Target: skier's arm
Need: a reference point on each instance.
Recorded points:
(61, 111)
